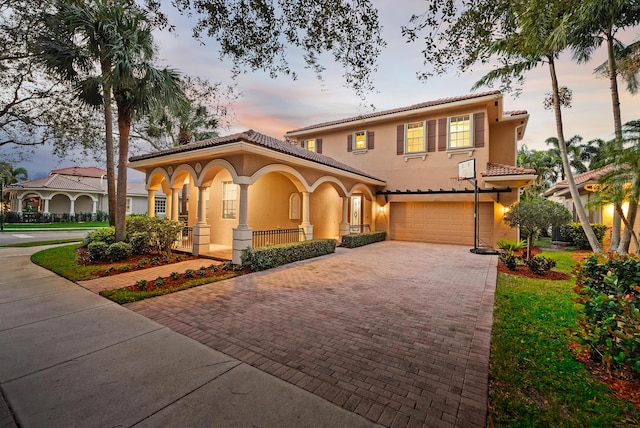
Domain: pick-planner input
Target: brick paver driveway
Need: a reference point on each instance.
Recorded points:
(397, 332)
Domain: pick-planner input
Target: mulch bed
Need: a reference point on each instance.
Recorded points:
(169, 282)
(134, 263)
(525, 271)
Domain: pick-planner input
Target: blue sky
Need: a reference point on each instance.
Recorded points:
(274, 106)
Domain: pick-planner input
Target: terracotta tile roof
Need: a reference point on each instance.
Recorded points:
(258, 139)
(587, 176)
(90, 171)
(500, 170)
(397, 110)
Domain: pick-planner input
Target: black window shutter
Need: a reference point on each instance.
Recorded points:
(319, 145)
(350, 142)
(431, 135)
(370, 137)
(400, 140)
(442, 134)
(478, 130)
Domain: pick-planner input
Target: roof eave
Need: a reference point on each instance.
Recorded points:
(331, 127)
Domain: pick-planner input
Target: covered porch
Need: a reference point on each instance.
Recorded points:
(250, 190)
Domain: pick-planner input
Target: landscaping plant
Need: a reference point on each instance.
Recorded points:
(609, 311)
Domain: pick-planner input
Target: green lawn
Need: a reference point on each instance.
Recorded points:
(12, 227)
(62, 260)
(534, 379)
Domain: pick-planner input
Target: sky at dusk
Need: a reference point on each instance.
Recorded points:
(274, 106)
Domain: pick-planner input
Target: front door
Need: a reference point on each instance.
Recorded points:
(356, 213)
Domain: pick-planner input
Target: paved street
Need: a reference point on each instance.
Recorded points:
(14, 237)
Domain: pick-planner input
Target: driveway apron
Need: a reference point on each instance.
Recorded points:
(397, 332)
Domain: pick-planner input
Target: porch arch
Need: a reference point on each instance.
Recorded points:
(333, 181)
(296, 178)
(362, 188)
(205, 178)
(157, 178)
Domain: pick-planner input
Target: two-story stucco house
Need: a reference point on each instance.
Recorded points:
(391, 170)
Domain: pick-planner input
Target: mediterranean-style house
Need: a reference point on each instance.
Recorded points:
(394, 170)
(76, 190)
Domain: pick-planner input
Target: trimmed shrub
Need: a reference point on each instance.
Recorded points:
(119, 251)
(511, 245)
(97, 250)
(360, 239)
(609, 310)
(140, 242)
(573, 232)
(539, 264)
(103, 234)
(257, 259)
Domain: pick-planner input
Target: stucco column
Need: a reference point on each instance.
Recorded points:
(344, 224)
(19, 205)
(201, 231)
(306, 225)
(174, 204)
(46, 206)
(94, 208)
(72, 207)
(151, 203)
(243, 234)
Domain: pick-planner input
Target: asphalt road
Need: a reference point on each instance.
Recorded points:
(33, 236)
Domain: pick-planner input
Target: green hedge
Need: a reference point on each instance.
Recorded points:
(360, 239)
(609, 310)
(257, 259)
(573, 232)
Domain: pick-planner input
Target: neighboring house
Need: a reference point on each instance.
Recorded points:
(587, 184)
(392, 170)
(76, 190)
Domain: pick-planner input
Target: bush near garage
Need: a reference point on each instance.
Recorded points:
(257, 259)
(609, 310)
(359, 239)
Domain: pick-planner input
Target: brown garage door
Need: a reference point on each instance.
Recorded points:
(440, 222)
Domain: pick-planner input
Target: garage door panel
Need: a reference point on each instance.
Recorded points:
(439, 222)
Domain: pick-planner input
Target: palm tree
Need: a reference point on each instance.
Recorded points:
(574, 151)
(10, 175)
(541, 37)
(598, 22)
(120, 39)
(543, 163)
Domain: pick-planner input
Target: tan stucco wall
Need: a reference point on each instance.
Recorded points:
(221, 229)
(325, 212)
(269, 203)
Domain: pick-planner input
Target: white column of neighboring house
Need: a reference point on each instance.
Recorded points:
(151, 203)
(344, 224)
(20, 204)
(306, 225)
(243, 234)
(72, 206)
(201, 231)
(94, 208)
(174, 204)
(46, 205)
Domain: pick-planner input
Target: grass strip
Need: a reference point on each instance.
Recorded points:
(12, 227)
(41, 243)
(534, 379)
(63, 261)
(123, 296)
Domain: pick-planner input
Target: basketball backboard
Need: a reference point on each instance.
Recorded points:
(467, 169)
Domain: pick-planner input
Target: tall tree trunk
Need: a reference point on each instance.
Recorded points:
(124, 128)
(111, 168)
(575, 194)
(630, 221)
(617, 124)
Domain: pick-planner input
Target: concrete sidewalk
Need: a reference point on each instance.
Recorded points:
(71, 358)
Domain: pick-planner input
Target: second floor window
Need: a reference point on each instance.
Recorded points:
(415, 140)
(460, 132)
(360, 140)
(310, 145)
(229, 197)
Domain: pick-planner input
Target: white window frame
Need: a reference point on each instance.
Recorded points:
(229, 200)
(424, 137)
(468, 117)
(129, 206)
(307, 146)
(354, 139)
(160, 206)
